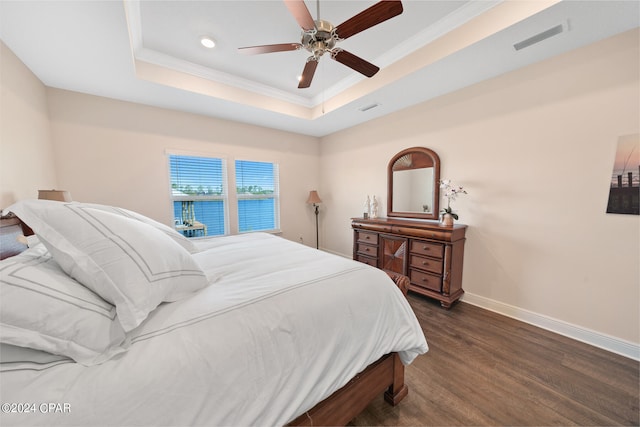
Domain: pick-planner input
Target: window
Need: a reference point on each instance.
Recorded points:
(202, 200)
(258, 196)
(199, 194)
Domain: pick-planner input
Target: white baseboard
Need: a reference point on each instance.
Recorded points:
(336, 253)
(597, 339)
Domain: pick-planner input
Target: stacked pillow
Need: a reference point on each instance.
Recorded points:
(108, 268)
(42, 307)
(170, 232)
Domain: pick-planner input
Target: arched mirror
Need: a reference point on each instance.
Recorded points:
(413, 190)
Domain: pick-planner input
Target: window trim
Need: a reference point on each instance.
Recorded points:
(225, 197)
(243, 196)
(231, 197)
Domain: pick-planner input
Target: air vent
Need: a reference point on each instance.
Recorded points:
(539, 37)
(368, 107)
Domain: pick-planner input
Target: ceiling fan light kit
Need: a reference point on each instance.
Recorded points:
(320, 37)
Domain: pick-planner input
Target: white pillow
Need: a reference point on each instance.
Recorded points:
(127, 262)
(44, 309)
(177, 237)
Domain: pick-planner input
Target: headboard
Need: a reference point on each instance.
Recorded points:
(10, 229)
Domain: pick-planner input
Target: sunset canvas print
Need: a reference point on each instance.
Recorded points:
(624, 192)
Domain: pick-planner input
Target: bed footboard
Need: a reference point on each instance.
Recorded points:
(385, 375)
(400, 280)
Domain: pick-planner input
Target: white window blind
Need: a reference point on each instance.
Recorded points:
(199, 194)
(257, 188)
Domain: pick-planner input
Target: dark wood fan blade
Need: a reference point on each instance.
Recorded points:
(300, 12)
(355, 62)
(374, 15)
(307, 73)
(269, 48)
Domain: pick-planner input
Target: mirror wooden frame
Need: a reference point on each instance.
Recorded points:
(426, 158)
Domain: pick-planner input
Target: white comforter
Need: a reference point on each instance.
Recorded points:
(280, 328)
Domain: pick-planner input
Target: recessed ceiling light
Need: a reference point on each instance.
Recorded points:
(207, 42)
(299, 77)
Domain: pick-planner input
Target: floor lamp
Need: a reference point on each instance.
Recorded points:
(314, 200)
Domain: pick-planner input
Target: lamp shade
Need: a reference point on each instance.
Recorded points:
(57, 195)
(314, 198)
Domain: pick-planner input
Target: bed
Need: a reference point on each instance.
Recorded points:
(238, 330)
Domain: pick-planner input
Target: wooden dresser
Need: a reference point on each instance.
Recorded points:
(430, 254)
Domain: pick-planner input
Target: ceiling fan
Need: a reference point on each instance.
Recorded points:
(320, 37)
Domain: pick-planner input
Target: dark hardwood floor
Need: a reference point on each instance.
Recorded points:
(486, 369)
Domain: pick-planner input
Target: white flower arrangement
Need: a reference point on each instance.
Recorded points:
(451, 192)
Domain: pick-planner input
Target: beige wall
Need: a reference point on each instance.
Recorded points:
(26, 152)
(535, 150)
(114, 152)
(534, 147)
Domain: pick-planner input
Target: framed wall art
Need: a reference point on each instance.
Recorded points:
(624, 192)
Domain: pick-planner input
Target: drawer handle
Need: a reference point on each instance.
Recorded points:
(366, 237)
(425, 248)
(366, 249)
(424, 262)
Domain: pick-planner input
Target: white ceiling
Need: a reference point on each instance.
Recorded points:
(149, 52)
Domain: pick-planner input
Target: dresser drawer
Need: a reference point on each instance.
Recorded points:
(422, 247)
(373, 262)
(429, 264)
(368, 250)
(430, 255)
(425, 280)
(369, 238)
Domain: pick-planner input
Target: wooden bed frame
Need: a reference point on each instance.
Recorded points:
(345, 404)
(386, 375)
